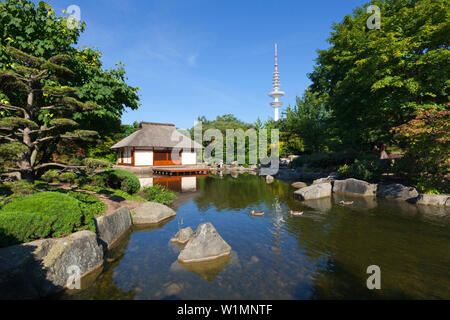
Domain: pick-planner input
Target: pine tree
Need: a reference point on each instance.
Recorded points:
(39, 112)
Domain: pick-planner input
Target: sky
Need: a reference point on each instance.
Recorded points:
(208, 57)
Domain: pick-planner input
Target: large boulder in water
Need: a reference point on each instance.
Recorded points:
(397, 191)
(438, 200)
(315, 191)
(354, 186)
(206, 245)
(152, 213)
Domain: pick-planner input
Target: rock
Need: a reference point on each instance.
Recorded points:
(299, 185)
(397, 191)
(206, 245)
(437, 200)
(284, 162)
(21, 270)
(234, 164)
(80, 249)
(353, 186)
(113, 225)
(269, 179)
(324, 180)
(152, 213)
(41, 268)
(183, 236)
(292, 157)
(316, 191)
(11, 176)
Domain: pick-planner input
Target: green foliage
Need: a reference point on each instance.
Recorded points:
(95, 164)
(365, 169)
(373, 80)
(43, 215)
(51, 175)
(304, 126)
(425, 140)
(325, 159)
(160, 194)
(69, 177)
(113, 193)
(117, 179)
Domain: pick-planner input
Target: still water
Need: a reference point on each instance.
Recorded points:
(323, 254)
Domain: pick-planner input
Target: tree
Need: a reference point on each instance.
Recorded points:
(426, 139)
(40, 112)
(373, 80)
(304, 126)
(38, 31)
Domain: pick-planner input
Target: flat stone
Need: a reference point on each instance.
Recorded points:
(152, 213)
(205, 245)
(299, 185)
(354, 186)
(315, 191)
(397, 191)
(437, 200)
(113, 225)
(183, 236)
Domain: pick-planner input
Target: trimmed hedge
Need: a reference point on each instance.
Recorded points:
(43, 215)
(117, 179)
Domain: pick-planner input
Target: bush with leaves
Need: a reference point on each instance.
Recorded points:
(51, 175)
(426, 140)
(367, 169)
(43, 215)
(160, 194)
(117, 179)
(69, 177)
(95, 164)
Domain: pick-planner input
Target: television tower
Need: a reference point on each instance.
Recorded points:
(276, 94)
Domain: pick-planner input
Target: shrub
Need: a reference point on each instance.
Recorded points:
(113, 193)
(51, 175)
(67, 177)
(159, 194)
(363, 169)
(325, 159)
(95, 164)
(43, 215)
(117, 179)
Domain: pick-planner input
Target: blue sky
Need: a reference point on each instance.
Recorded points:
(208, 57)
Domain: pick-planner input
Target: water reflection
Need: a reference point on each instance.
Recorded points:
(207, 270)
(175, 183)
(323, 254)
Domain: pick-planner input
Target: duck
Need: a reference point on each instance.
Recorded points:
(346, 203)
(258, 214)
(296, 213)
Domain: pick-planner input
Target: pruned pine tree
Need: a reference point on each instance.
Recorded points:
(39, 112)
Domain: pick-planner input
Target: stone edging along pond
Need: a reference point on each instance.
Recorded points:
(43, 268)
(326, 186)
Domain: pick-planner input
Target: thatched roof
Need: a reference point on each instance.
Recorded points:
(162, 135)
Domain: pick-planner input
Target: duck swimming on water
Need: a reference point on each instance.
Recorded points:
(346, 203)
(257, 214)
(296, 213)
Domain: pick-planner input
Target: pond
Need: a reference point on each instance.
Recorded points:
(323, 254)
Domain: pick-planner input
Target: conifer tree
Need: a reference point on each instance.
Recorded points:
(38, 112)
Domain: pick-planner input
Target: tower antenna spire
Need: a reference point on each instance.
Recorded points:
(276, 57)
(276, 93)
